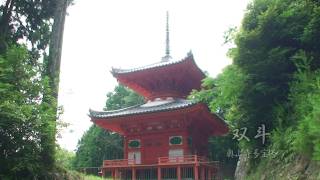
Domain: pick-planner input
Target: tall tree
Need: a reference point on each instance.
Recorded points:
(56, 40)
(35, 24)
(53, 62)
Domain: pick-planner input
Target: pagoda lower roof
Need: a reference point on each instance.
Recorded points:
(149, 107)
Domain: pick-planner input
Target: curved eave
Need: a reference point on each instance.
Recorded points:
(217, 124)
(131, 112)
(113, 122)
(144, 80)
(118, 71)
(221, 127)
(224, 126)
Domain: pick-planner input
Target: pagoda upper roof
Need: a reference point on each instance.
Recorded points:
(150, 66)
(149, 107)
(163, 79)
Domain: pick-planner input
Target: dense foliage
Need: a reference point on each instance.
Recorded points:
(273, 81)
(64, 158)
(277, 52)
(98, 144)
(26, 19)
(24, 118)
(122, 97)
(303, 119)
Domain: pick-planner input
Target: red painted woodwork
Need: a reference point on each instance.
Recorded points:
(136, 124)
(186, 159)
(159, 173)
(174, 80)
(193, 122)
(179, 173)
(133, 174)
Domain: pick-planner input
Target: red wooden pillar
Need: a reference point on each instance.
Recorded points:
(103, 173)
(113, 174)
(159, 173)
(209, 174)
(202, 176)
(196, 172)
(125, 152)
(195, 168)
(116, 174)
(179, 173)
(134, 174)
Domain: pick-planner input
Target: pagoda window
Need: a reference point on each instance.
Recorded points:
(134, 143)
(175, 140)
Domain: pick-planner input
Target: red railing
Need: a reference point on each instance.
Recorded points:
(188, 159)
(118, 162)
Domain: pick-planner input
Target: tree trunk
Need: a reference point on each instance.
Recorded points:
(55, 48)
(4, 24)
(5, 17)
(53, 71)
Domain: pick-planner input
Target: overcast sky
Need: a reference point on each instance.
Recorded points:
(100, 34)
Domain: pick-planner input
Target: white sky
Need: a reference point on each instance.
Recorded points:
(100, 34)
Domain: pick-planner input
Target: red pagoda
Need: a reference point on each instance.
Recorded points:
(167, 137)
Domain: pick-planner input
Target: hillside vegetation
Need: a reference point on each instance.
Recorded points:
(270, 94)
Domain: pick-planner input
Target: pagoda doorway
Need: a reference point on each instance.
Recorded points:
(134, 157)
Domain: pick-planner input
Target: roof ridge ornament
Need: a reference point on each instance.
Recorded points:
(190, 54)
(167, 57)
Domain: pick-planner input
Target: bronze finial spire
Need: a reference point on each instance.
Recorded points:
(167, 57)
(167, 37)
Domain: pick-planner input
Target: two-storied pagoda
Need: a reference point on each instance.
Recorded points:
(167, 137)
